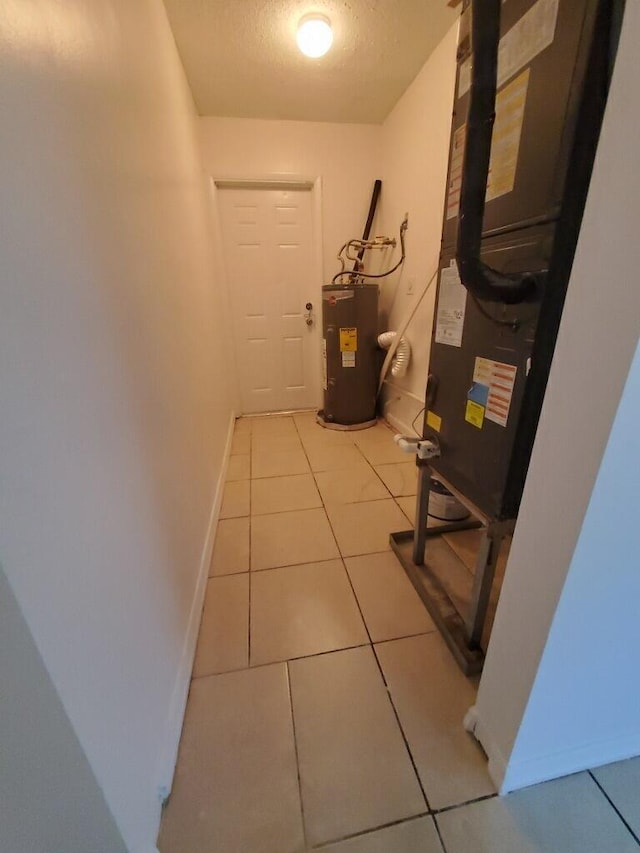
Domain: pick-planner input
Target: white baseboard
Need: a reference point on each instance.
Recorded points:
(512, 775)
(398, 425)
(400, 407)
(173, 725)
(582, 757)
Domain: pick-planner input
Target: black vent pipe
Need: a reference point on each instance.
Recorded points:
(482, 281)
(367, 228)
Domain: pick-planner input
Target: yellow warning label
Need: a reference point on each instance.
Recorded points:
(348, 339)
(505, 142)
(474, 414)
(434, 421)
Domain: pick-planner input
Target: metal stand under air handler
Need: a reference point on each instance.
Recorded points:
(462, 634)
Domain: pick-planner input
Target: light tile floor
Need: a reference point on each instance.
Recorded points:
(325, 710)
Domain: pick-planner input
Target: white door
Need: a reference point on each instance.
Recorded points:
(268, 246)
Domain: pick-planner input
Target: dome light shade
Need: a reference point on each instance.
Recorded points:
(315, 35)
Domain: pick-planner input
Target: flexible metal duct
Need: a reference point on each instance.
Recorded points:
(402, 356)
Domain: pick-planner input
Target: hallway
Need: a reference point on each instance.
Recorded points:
(325, 710)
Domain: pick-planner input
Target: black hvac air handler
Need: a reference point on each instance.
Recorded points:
(531, 88)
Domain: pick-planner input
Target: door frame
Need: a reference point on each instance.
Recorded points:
(269, 182)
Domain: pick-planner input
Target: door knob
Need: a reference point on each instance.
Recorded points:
(308, 317)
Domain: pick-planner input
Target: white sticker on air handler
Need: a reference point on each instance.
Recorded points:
(492, 387)
(452, 302)
(527, 38)
(348, 359)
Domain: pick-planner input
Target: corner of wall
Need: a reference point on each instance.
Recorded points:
(416, 154)
(497, 765)
(400, 408)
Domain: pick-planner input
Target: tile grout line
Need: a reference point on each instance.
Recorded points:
(357, 447)
(412, 523)
(371, 645)
(324, 508)
(438, 833)
(371, 465)
(317, 655)
(394, 498)
(470, 802)
(384, 681)
(402, 732)
(365, 832)
(295, 747)
(392, 703)
(307, 508)
(614, 807)
(250, 668)
(309, 563)
(373, 649)
(249, 602)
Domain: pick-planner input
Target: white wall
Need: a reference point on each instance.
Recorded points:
(112, 384)
(587, 679)
(49, 798)
(415, 151)
(346, 156)
(560, 690)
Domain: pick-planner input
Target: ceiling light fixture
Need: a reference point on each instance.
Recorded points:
(315, 35)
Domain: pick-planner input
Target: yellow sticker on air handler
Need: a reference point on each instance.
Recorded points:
(474, 414)
(434, 421)
(348, 339)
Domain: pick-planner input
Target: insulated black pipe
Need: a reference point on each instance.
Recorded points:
(372, 212)
(482, 281)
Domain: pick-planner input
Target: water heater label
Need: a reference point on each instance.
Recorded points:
(348, 340)
(348, 359)
(324, 364)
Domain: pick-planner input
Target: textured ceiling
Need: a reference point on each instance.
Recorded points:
(241, 57)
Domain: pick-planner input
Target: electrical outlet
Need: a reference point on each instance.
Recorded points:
(411, 286)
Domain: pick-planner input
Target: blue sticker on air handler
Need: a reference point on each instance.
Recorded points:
(478, 393)
(477, 397)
